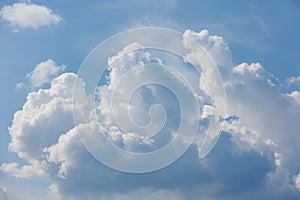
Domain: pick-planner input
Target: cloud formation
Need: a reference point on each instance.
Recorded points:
(28, 15)
(254, 157)
(44, 72)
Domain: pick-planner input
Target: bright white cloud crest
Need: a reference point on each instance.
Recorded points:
(254, 151)
(28, 15)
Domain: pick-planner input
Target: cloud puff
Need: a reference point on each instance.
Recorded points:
(295, 97)
(28, 15)
(44, 72)
(293, 80)
(254, 157)
(254, 68)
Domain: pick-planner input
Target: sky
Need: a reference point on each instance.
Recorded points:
(233, 84)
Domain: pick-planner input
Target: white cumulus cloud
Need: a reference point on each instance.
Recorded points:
(28, 15)
(45, 115)
(44, 72)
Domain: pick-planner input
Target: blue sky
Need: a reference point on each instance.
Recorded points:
(43, 44)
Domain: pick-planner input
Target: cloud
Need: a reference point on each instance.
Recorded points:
(26, 171)
(45, 115)
(254, 157)
(44, 72)
(213, 44)
(253, 72)
(273, 116)
(293, 80)
(28, 15)
(254, 68)
(3, 194)
(294, 97)
(101, 180)
(20, 86)
(297, 180)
